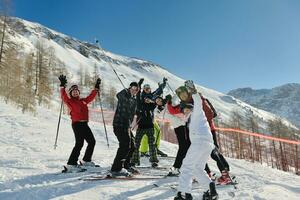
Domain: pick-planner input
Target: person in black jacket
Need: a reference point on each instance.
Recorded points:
(126, 109)
(145, 119)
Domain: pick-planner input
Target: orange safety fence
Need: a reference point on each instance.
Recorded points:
(260, 135)
(279, 153)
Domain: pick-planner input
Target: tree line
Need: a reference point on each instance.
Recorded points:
(29, 78)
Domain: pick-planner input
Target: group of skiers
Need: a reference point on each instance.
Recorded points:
(191, 116)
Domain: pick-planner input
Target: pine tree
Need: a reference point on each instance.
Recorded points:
(4, 14)
(111, 98)
(42, 75)
(10, 78)
(27, 98)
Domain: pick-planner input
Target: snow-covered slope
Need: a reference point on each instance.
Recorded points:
(76, 54)
(283, 100)
(29, 166)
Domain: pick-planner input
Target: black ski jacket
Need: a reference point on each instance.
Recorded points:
(126, 108)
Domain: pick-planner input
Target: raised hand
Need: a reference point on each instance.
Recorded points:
(63, 80)
(98, 82)
(189, 84)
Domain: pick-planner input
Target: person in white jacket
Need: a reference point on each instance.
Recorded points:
(198, 153)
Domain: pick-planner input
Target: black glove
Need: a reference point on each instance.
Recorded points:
(140, 82)
(98, 82)
(63, 80)
(163, 85)
(165, 80)
(189, 84)
(168, 99)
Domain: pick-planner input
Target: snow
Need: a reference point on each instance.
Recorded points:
(129, 69)
(29, 166)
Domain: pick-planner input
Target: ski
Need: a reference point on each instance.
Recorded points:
(150, 167)
(109, 177)
(80, 170)
(195, 187)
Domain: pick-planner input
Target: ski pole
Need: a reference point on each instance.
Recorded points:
(97, 42)
(171, 88)
(104, 124)
(61, 106)
(117, 76)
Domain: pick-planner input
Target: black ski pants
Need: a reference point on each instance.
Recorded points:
(184, 142)
(125, 150)
(82, 132)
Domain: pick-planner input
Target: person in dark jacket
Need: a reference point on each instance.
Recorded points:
(123, 118)
(79, 115)
(145, 119)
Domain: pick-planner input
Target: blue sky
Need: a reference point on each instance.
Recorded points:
(220, 44)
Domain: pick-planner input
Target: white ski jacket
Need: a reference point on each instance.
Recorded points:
(198, 126)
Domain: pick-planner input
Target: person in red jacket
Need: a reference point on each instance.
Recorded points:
(80, 117)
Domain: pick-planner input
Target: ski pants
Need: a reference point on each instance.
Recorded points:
(184, 142)
(157, 135)
(125, 150)
(138, 137)
(82, 132)
(193, 163)
(220, 160)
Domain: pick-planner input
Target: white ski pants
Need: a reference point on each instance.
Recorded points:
(193, 165)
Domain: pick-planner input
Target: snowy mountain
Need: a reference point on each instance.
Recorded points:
(76, 54)
(30, 167)
(283, 100)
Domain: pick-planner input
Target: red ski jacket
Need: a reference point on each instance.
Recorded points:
(78, 106)
(206, 108)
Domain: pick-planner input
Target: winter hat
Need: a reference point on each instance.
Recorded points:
(134, 84)
(146, 86)
(180, 90)
(73, 87)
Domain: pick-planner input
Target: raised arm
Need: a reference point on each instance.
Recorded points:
(64, 95)
(173, 110)
(91, 96)
(63, 81)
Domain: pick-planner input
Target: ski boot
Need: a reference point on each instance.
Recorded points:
(174, 172)
(154, 164)
(179, 196)
(88, 164)
(224, 179)
(211, 194)
(133, 170)
(73, 169)
(161, 154)
(123, 172)
(145, 154)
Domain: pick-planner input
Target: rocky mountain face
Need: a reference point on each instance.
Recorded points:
(283, 100)
(76, 54)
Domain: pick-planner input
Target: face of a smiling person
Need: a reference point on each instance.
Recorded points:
(133, 90)
(75, 93)
(159, 102)
(184, 96)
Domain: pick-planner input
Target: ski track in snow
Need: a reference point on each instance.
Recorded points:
(29, 166)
